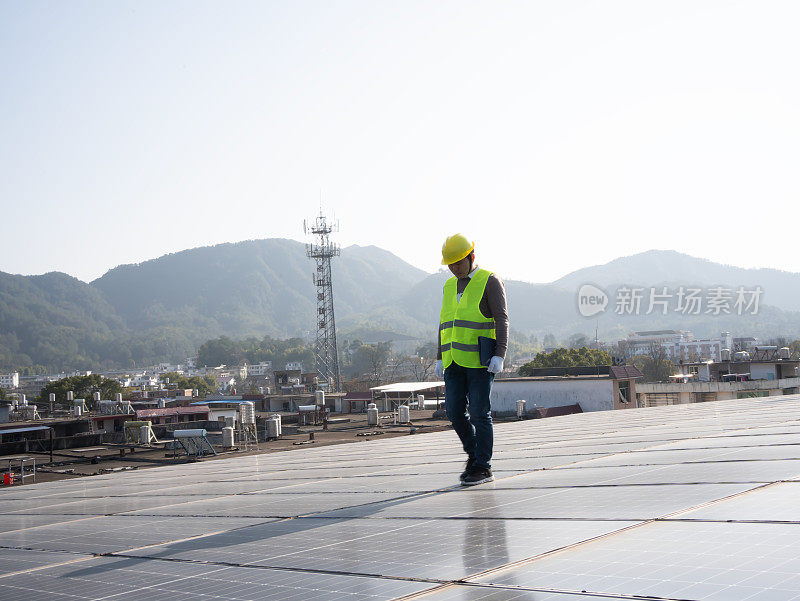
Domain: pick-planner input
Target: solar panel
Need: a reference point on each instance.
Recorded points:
(675, 560)
(388, 519)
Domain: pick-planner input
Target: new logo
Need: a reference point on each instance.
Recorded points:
(591, 300)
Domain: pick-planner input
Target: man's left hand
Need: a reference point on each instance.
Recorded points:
(495, 365)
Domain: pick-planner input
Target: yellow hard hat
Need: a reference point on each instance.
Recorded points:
(455, 248)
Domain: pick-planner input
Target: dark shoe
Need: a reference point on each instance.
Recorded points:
(467, 469)
(477, 475)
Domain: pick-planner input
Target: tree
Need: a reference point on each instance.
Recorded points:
(578, 340)
(82, 386)
(655, 365)
(370, 360)
(226, 351)
(423, 364)
(2, 395)
(204, 385)
(624, 351)
(562, 357)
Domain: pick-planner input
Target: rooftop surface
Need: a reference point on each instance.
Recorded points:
(680, 502)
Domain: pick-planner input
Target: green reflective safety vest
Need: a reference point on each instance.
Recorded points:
(461, 323)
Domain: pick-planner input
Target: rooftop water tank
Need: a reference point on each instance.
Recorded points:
(247, 412)
(372, 414)
(403, 414)
(227, 437)
(189, 433)
(273, 428)
(725, 354)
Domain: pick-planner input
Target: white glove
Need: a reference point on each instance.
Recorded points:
(495, 365)
(439, 369)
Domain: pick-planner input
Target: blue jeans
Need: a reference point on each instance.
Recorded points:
(463, 385)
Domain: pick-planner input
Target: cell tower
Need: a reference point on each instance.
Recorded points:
(322, 250)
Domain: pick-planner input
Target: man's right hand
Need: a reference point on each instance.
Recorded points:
(439, 369)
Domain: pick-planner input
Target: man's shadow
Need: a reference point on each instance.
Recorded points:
(259, 533)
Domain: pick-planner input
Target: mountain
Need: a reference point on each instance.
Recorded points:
(671, 268)
(249, 288)
(161, 310)
(45, 317)
(164, 308)
(552, 308)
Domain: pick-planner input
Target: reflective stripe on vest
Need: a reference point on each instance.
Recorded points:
(461, 322)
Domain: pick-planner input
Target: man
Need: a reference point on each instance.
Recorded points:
(473, 318)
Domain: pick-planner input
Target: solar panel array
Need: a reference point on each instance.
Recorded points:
(686, 502)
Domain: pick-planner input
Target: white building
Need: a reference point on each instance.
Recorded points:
(9, 381)
(294, 366)
(145, 380)
(679, 345)
(599, 388)
(259, 369)
(224, 382)
(769, 371)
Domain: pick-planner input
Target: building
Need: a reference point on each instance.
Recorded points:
(288, 381)
(259, 369)
(768, 371)
(390, 396)
(110, 422)
(596, 388)
(764, 363)
(219, 409)
(294, 366)
(679, 345)
(225, 382)
(745, 343)
(174, 415)
(146, 380)
(9, 381)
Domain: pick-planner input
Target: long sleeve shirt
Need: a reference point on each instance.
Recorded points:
(492, 306)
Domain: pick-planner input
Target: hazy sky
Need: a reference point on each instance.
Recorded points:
(556, 134)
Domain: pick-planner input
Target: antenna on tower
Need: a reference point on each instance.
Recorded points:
(322, 250)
